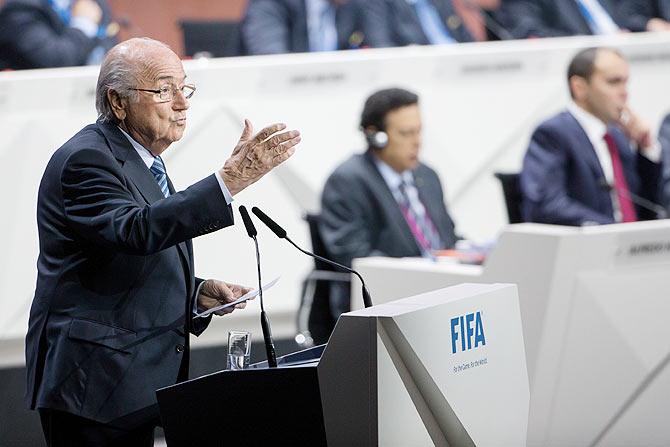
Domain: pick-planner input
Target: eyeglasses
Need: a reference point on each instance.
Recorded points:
(166, 93)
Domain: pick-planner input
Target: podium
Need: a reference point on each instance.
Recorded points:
(445, 368)
(594, 306)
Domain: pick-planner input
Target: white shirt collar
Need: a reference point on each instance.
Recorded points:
(392, 177)
(147, 157)
(594, 128)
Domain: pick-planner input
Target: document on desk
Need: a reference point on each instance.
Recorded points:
(241, 299)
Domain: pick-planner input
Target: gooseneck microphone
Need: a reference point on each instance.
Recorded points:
(265, 323)
(281, 234)
(640, 201)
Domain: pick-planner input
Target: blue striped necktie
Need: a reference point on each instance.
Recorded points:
(158, 170)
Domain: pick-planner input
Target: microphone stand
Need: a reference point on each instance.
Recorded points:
(265, 322)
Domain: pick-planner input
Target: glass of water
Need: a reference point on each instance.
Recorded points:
(239, 349)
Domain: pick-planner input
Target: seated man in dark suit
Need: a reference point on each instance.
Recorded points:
(664, 140)
(395, 23)
(384, 202)
(556, 18)
(596, 162)
(299, 26)
(44, 33)
(116, 292)
(645, 15)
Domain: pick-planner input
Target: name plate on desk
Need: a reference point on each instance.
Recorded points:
(642, 248)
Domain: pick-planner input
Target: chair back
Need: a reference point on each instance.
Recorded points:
(512, 192)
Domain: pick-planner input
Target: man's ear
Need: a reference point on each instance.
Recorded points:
(578, 87)
(118, 104)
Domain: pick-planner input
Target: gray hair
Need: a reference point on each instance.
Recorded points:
(120, 72)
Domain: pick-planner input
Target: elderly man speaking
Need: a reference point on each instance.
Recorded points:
(116, 291)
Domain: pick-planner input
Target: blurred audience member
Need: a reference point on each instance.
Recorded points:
(394, 23)
(297, 26)
(555, 18)
(54, 33)
(664, 140)
(645, 15)
(595, 163)
(384, 202)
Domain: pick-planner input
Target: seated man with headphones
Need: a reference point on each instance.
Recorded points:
(384, 202)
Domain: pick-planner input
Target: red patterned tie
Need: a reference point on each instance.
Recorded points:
(628, 213)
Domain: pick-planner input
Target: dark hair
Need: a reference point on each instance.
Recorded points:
(380, 103)
(583, 63)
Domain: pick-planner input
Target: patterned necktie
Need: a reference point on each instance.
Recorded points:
(422, 227)
(628, 213)
(158, 170)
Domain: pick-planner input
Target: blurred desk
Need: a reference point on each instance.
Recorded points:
(594, 306)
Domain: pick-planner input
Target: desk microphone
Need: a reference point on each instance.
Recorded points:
(265, 323)
(281, 234)
(640, 201)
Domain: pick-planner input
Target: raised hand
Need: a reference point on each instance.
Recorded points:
(253, 157)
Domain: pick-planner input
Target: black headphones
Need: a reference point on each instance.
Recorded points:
(377, 140)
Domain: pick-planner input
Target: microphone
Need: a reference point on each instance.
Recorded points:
(640, 201)
(281, 234)
(265, 322)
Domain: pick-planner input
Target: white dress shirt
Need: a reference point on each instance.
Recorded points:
(321, 25)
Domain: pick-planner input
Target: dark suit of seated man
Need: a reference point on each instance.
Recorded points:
(645, 15)
(395, 23)
(580, 167)
(556, 18)
(384, 202)
(300, 26)
(116, 290)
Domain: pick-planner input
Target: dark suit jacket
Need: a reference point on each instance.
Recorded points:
(115, 278)
(360, 217)
(394, 23)
(549, 18)
(636, 13)
(280, 26)
(32, 35)
(562, 181)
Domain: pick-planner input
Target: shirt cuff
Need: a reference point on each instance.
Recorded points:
(653, 152)
(86, 26)
(224, 189)
(195, 301)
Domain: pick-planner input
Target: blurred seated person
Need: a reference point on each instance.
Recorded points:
(594, 163)
(54, 33)
(557, 18)
(664, 140)
(395, 23)
(384, 202)
(299, 26)
(645, 15)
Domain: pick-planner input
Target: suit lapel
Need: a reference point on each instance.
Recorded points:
(133, 166)
(588, 152)
(389, 204)
(183, 249)
(453, 21)
(430, 200)
(570, 11)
